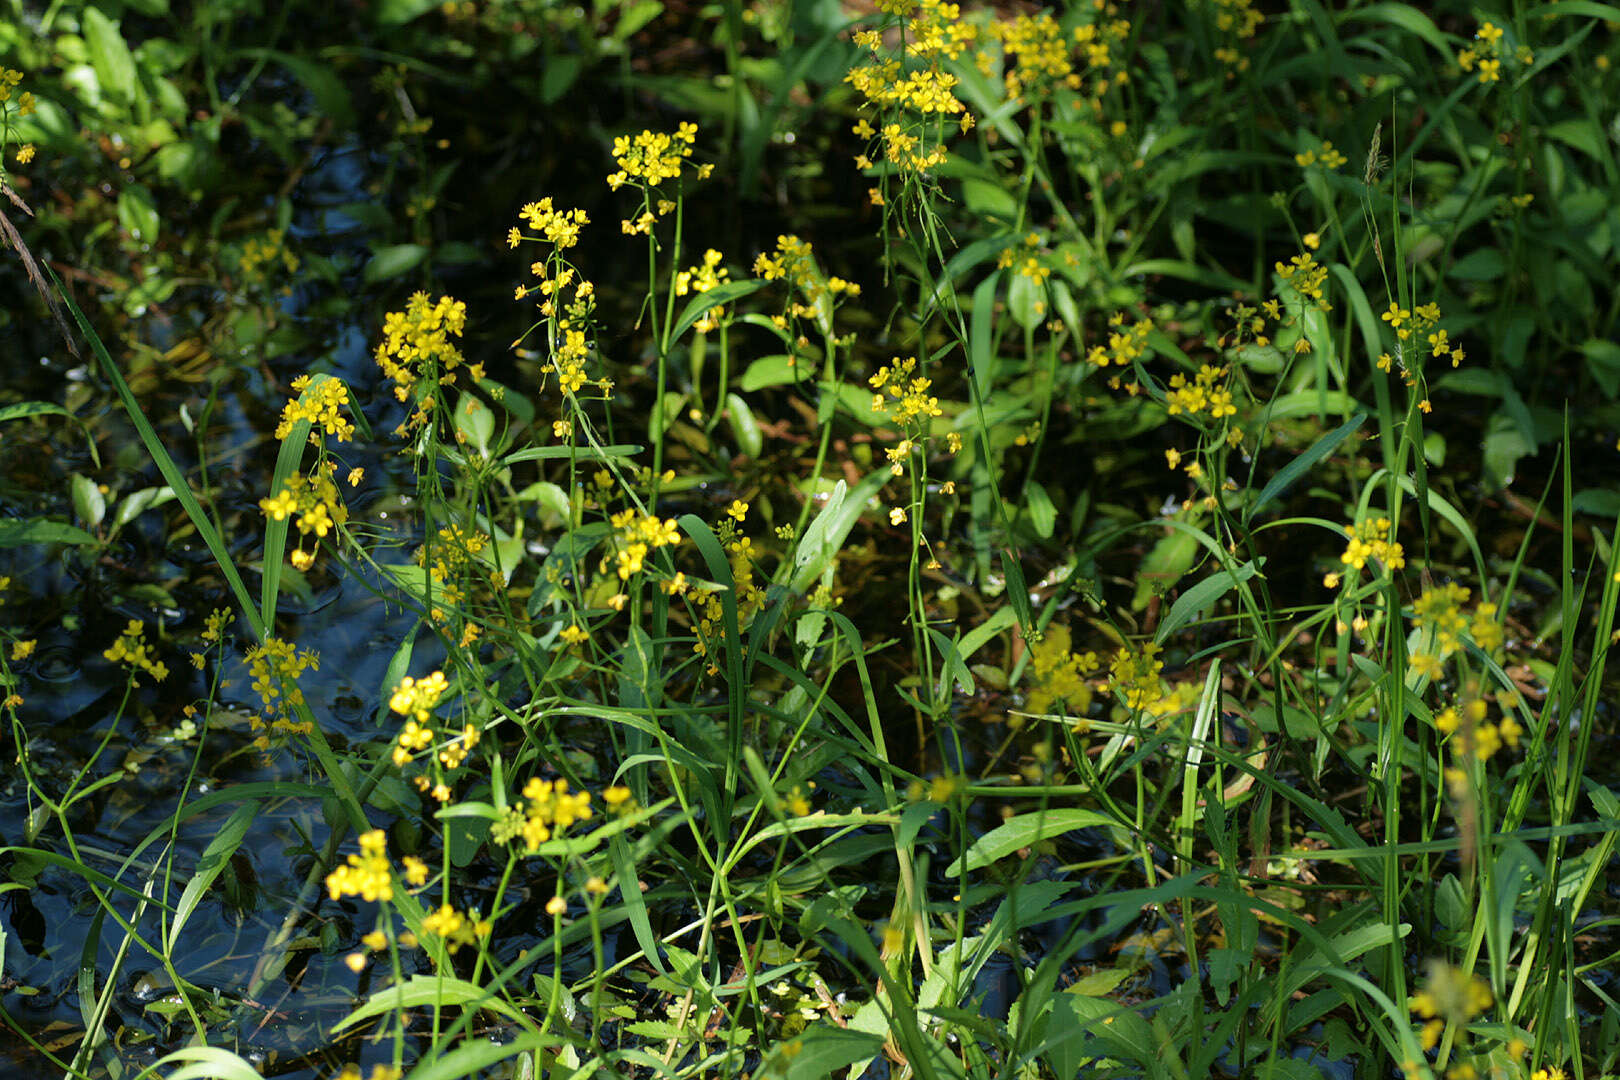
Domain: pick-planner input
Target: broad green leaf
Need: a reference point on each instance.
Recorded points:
(442, 990)
(594, 453)
(1191, 603)
(137, 214)
(702, 303)
(825, 535)
(396, 12)
(214, 859)
(1026, 299)
(1022, 831)
(392, 261)
(1291, 472)
(115, 67)
(475, 1056)
(18, 531)
(1042, 514)
(1404, 17)
(88, 501)
(139, 502)
(475, 422)
(775, 370)
(205, 1063)
(1171, 557)
(744, 427)
(819, 1052)
(24, 409)
(331, 97)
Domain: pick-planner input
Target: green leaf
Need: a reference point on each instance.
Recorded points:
(1505, 444)
(1486, 264)
(1404, 17)
(825, 535)
(1302, 464)
(562, 71)
(744, 427)
(702, 303)
(206, 1063)
(397, 12)
(1021, 832)
(1191, 604)
(475, 422)
(819, 1052)
(1026, 299)
(1042, 514)
(24, 409)
(88, 501)
(778, 369)
(1603, 361)
(1583, 134)
(332, 99)
(594, 453)
(137, 214)
(214, 859)
(139, 502)
(15, 533)
(427, 990)
(1171, 557)
(475, 1056)
(390, 262)
(115, 67)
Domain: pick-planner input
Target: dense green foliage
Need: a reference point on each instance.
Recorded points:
(804, 539)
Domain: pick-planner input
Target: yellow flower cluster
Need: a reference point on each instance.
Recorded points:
(1324, 155)
(1306, 276)
(10, 79)
(368, 875)
(913, 90)
(315, 502)
(1449, 995)
(750, 598)
(794, 261)
(928, 90)
(1486, 54)
(1206, 393)
(559, 227)
(417, 698)
(652, 157)
(1439, 612)
(417, 342)
(276, 667)
(448, 557)
(1371, 539)
(259, 253)
(1480, 738)
(547, 810)
(1060, 674)
(379, 1071)
(638, 536)
(132, 651)
(1237, 17)
(456, 928)
(1124, 345)
(701, 279)
(323, 409)
(1134, 676)
(901, 397)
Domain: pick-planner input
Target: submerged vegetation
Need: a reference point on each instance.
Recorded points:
(803, 539)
